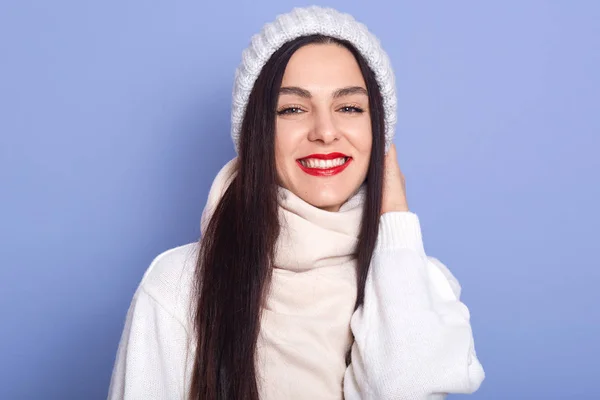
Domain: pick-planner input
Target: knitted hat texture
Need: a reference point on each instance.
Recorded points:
(303, 22)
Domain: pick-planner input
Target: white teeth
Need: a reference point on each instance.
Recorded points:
(323, 164)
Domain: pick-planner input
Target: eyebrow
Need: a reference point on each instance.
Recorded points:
(347, 91)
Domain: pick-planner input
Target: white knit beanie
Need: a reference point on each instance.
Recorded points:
(309, 21)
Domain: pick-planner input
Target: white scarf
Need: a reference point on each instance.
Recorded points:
(305, 329)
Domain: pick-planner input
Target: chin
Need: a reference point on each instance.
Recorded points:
(326, 200)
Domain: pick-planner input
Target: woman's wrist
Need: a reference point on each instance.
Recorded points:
(400, 230)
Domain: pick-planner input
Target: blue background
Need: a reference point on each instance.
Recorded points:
(115, 119)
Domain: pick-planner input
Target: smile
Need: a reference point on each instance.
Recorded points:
(324, 164)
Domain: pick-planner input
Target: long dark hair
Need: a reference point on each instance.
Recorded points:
(233, 270)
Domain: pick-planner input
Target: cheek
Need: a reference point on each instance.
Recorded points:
(286, 143)
(283, 145)
(288, 137)
(361, 136)
(366, 142)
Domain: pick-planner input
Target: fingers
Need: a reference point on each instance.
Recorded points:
(391, 159)
(391, 154)
(394, 192)
(392, 171)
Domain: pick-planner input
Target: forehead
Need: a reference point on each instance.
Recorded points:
(323, 66)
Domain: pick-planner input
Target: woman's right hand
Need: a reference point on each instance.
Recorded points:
(394, 185)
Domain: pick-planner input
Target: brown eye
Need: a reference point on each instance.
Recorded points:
(351, 109)
(290, 110)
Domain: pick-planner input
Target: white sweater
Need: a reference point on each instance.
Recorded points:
(411, 339)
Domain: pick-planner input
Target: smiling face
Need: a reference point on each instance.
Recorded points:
(323, 128)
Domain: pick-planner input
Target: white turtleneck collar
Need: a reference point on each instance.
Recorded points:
(305, 329)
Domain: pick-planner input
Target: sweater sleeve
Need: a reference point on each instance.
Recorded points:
(152, 353)
(413, 338)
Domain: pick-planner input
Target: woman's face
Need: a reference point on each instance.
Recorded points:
(323, 127)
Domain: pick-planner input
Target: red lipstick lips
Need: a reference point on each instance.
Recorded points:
(325, 171)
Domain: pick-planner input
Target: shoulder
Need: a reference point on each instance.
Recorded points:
(169, 280)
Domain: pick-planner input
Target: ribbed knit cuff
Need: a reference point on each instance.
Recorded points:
(400, 230)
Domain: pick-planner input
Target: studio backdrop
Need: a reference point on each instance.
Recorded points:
(114, 120)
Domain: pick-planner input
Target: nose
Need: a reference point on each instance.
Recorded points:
(324, 129)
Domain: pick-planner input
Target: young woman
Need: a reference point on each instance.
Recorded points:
(310, 280)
